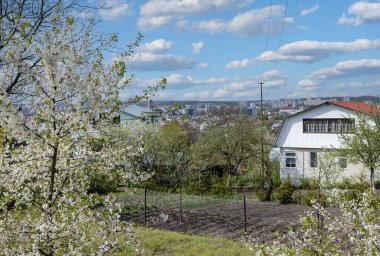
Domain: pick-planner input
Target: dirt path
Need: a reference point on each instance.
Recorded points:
(227, 220)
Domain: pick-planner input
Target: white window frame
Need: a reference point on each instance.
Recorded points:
(316, 159)
(291, 157)
(346, 162)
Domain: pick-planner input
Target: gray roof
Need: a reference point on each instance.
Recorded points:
(136, 110)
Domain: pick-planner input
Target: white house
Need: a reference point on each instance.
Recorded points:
(134, 112)
(306, 133)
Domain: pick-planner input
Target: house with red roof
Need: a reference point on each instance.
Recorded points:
(306, 134)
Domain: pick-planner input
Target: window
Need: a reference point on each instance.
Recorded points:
(341, 125)
(116, 119)
(313, 159)
(342, 161)
(290, 159)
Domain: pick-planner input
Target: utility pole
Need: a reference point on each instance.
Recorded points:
(262, 127)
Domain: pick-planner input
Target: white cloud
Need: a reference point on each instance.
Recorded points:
(152, 56)
(310, 51)
(210, 26)
(255, 22)
(203, 65)
(344, 69)
(302, 94)
(238, 86)
(163, 95)
(246, 94)
(361, 12)
(249, 23)
(147, 61)
(275, 83)
(357, 85)
(181, 81)
(241, 89)
(204, 95)
(273, 74)
(113, 9)
(155, 13)
(152, 23)
(239, 64)
(156, 46)
(350, 68)
(178, 79)
(197, 47)
(190, 95)
(310, 10)
(308, 83)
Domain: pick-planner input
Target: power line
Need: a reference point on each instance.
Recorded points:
(282, 30)
(283, 24)
(267, 38)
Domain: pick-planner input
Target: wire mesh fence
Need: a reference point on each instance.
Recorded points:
(171, 210)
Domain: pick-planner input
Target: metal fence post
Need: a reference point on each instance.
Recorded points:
(145, 206)
(245, 215)
(180, 204)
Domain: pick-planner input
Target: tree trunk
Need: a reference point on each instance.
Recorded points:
(228, 183)
(372, 178)
(268, 192)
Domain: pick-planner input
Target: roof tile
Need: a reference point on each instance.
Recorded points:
(356, 106)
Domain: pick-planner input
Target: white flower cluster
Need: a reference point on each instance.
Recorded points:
(354, 230)
(160, 218)
(50, 152)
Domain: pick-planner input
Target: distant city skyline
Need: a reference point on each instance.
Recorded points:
(221, 49)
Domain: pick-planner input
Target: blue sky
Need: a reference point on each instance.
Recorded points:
(221, 49)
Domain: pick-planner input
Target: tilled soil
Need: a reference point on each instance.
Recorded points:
(264, 219)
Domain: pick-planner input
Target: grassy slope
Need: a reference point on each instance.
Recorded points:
(159, 242)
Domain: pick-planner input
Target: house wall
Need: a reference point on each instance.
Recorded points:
(292, 135)
(303, 169)
(292, 139)
(125, 117)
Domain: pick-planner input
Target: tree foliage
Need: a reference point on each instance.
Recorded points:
(228, 145)
(363, 144)
(47, 172)
(27, 19)
(354, 230)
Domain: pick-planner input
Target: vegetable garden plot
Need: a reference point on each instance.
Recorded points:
(207, 215)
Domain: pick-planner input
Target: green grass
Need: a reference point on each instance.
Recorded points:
(169, 200)
(159, 242)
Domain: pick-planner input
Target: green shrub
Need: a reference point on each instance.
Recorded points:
(240, 181)
(285, 192)
(346, 183)
(309, 196)
(361, 187)
(308, 183)
(260, 195)
(102, 184)
(277, 181)
(221, 190)
(377, 184)
(304, 183)
(132, 209)
(195, 189)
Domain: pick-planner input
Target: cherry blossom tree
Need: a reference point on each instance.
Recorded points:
(48, 154)
(354, 230)
(35, 18)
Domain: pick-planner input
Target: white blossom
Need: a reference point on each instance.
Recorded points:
(51, 150)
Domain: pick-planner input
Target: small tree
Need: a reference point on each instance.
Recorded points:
(328, 168)
(47, 172)
(175, 151)
(228, 145)
(363, 144)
